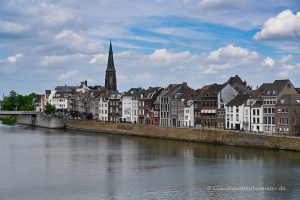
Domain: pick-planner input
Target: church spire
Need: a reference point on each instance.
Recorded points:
(110, 77)
(110, 62)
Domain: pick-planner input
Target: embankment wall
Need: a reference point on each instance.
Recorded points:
(191, 134)
(41, 120)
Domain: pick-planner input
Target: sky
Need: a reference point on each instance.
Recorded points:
(48, 43)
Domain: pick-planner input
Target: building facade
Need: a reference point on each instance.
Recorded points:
(287, 115)
(103, 109)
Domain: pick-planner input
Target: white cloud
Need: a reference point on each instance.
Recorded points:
(46, 60)
(268, 62)
(216, 68)
(169, 56)
(73, 41)
(286, 58)
(54, 14)
(12, 27)
(183, 32)
(98, 58)
(286, 71)
(145, 76)
(67, 75)
(232, 52)
(285, 25)
(14, 59)
(218, 3)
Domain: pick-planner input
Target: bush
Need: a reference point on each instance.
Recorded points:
(49, 109)
(10, 120)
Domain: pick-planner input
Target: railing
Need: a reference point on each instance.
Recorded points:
(18, 112)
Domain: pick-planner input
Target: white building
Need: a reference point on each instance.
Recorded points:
(130, 105)
(237, 113)
(189, 114)
(256, 114)
(59, 97)
(103, 109)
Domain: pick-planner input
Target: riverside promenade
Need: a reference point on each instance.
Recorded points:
(212, 136)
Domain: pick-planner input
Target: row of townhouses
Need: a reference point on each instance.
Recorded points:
(272, 108)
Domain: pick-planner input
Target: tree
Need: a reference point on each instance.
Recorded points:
(18, 102)
(49, 109)
(11, 102)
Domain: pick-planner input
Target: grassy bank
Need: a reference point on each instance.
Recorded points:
(11, 119)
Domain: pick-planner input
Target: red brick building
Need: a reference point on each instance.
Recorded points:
(287, 115)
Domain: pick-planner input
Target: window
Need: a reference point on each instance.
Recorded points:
(253, 111)
(258, 120)
(265, 120)
(269, 110)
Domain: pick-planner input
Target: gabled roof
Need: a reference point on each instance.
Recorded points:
(215, 88)
(239, 100)
(209, 91)
(62, 94)
(170, 90)
(271, 89)
(134, 92)
(148, 94)
(239, 85)
(65, 88)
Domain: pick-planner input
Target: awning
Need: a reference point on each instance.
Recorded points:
(211, 111)
(203, 111)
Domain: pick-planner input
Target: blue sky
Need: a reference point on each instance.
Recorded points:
(48, 43)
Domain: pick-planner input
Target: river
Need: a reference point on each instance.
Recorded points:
(54, 164)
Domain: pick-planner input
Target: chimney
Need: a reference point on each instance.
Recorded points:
(85, 82)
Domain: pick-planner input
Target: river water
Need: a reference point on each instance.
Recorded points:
(55, 164)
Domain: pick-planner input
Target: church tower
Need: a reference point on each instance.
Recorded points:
(110, 77)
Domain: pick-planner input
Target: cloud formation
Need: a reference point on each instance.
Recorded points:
(232, 52)
(268, 62)
(285, 25)
(14, 59)
(154, 42)
(12, 27)
(67, 75)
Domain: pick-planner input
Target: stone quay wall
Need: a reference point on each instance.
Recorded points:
(225, 137)
(41, 120)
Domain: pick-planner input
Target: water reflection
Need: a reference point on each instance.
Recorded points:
(51, 164)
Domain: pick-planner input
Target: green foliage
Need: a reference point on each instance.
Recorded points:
(11, 119)
(49, 109)
(18, 102)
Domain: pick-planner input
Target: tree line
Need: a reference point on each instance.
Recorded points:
(17, 102)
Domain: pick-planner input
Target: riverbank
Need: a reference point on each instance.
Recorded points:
(224, 137)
